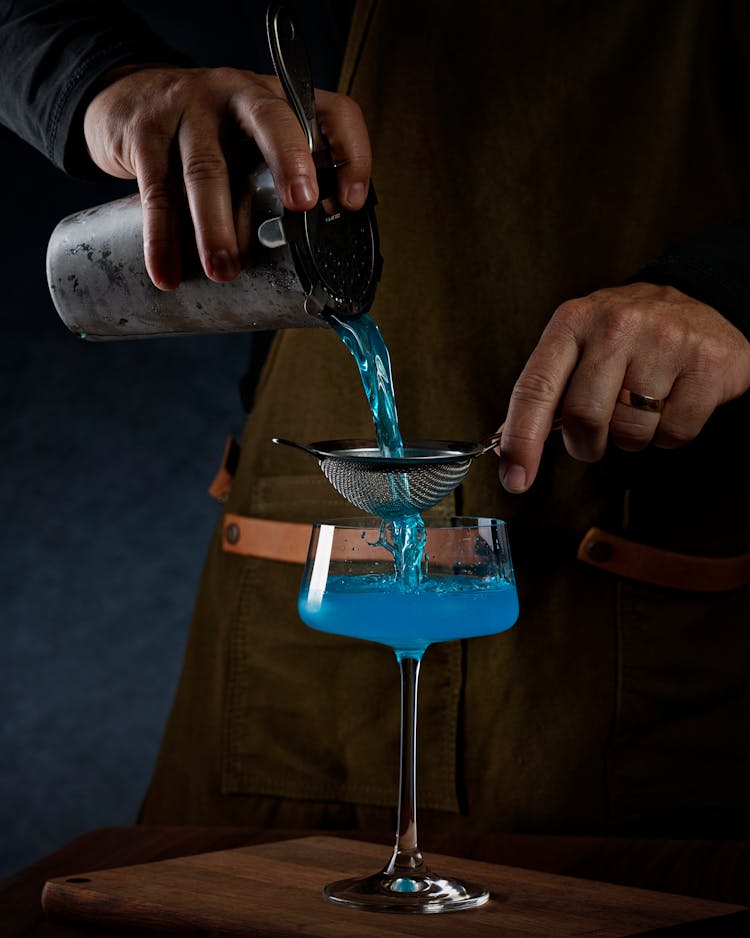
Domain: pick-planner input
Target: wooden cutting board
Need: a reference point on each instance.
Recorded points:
(275, 890)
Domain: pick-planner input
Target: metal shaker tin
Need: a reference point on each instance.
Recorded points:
(97, 278)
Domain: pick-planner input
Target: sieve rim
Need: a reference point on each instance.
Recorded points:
(417, 453)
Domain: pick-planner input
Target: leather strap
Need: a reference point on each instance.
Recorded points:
(285, 541)
(222, 483)
(663, 567)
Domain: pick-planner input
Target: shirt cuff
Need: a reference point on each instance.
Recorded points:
(712, 266)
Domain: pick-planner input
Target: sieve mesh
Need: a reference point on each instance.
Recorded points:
(394, 487)
(393, 493)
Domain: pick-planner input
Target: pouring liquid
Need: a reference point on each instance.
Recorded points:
(404, 538)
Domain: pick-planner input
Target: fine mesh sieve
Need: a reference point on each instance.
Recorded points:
(395, 487)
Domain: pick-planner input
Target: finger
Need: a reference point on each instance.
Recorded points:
(343, 125)
(589, 401)
(153, 164)
(209, 196)
(533, 403)
(610, 330)
(270, 122)
(243, 223)
(632, 427)
(686, 411)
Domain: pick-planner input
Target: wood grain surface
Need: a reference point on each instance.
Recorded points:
(275, 890)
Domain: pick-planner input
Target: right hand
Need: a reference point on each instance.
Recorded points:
(651, 339)
(184, 133)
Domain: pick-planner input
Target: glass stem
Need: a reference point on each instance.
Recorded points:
(407, 859)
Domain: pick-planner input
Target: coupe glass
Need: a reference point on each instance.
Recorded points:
(463, 587)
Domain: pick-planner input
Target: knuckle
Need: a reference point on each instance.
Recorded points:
(619, 325)
(193, 83)
(179, 88)
(570, 314)
(268, 84)
(202, 166)
(669, 333)
(589, 415)
(673, 437)
(268, 108)
(569, 323)
(149, 127)
(534, 388)
(635, 435)
(711, 354)
(224, 75)
(346, 108)
(155, 196)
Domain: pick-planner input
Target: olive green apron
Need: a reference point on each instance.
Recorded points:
(524, 154)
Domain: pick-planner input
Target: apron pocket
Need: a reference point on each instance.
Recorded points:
(316, 716)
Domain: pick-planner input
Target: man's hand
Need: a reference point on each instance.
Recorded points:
(652, 340)
(184, 133)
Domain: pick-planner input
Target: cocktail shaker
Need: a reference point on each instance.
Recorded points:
(301, 264)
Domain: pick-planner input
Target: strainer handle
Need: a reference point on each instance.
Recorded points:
(292, 67)
(305, 449)
(491, 441)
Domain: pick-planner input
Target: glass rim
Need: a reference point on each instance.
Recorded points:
(456, 522)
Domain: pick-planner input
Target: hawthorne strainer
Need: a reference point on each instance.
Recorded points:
(395, 487)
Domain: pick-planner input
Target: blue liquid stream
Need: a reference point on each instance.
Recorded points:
(365, 342)
(380, 609)
(405, 538)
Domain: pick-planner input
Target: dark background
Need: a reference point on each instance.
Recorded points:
(107, 453)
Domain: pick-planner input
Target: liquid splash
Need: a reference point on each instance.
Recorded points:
(404, 538)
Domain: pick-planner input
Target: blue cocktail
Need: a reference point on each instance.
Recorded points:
(460, 585)
(380, 609)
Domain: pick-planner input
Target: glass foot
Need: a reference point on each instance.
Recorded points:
(419, 892)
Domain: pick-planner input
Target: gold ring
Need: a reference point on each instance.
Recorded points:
(641, 401)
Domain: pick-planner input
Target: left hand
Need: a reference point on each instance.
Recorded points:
(652, 340)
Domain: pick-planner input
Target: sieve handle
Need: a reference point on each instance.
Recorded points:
(491, 441)
(305, 449)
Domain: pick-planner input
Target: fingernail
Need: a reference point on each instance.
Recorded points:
(514, 479)
(164, 278)
(223, 266)
(356, 194)
(302, 191)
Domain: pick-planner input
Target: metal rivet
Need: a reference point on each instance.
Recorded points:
(599, 551)
(232, 533)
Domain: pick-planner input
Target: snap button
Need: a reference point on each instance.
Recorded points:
(232, 533)
(599, 551)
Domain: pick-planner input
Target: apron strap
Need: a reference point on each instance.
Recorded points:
(285, 541)
(663, 567)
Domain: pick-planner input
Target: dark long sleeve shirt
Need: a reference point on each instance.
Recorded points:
(53, 57)
(712, 266)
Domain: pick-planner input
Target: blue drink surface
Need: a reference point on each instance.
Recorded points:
(380, 609)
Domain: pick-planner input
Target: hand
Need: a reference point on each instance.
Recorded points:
(184, 133)
(652, 340)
